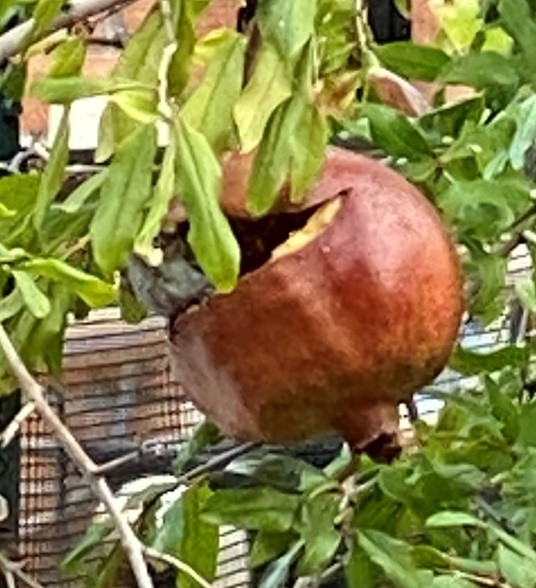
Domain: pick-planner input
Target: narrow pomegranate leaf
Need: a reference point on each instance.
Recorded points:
(268, 546)
(271, 167)
(198, 181)
(209, 108)
(317, 528)
(256, 508)
(393, 132)
(67, 89)
(288, 24)
(38, 304)
(93, 291)
(179, 67)
(198, 532)
(163, 193)
(140, 61)
(80, 195)
(139, 105)
(44, 14)
(52, 178)
(124, 193)
(67, 58)
(268, 87)
(413, 61)
(309, 141)
(10, 305)
(393, 556)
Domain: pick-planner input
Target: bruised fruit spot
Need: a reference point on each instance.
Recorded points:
(317, 223)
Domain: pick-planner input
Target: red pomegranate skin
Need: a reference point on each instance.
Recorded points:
(334, 335)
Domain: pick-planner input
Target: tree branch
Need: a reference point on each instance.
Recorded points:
(12, 570)
(12, 428)
(13, 41)
(35, 393)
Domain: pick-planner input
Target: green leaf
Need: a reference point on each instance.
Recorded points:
(205, 434)
(200, 542)
(525, 134)
(186, 535)
(470, 363)
(278, 571)
(272, 165)
(526, 292)
(67, 58)
(159, 205)
(10, 305)
(269, 546)
(139, 105)
(93, 537)
(516, 570)
(44, 349)
(44, 14)
(80, 195)
(38, 304)
(489, 273)
(411, 60)
(447, 519)
(393, 132)
(209, 108)
(124, 193)
(256, 508)
(65, 90)
(317, 529)
(504, 410)
(179, 67)
(141, 61)
(288, 24)
(360, 570)
(449, 119)
(483, 209)
(393, 556)
(518, 20)
(210, 235)
(94, 292)
(308, 145)
(18, 193)
(52, 178)
(482, 70)
(269, 86)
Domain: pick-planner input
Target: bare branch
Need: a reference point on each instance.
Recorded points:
(12, 42)
(11, 430)
(12, 570)
(177, 564)
(35, 392)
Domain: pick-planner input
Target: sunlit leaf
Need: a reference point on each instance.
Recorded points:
(209, 108)
(288, 24)
(268, 87)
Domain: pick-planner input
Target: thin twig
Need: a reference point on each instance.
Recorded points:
(12, 569)
(35, 392)
(13, 41)
(13, 427)
(177, 564)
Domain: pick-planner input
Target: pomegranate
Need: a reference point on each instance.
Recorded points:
(344, 319)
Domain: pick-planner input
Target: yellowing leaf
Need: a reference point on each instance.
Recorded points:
(209, 108)
(269, 86)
